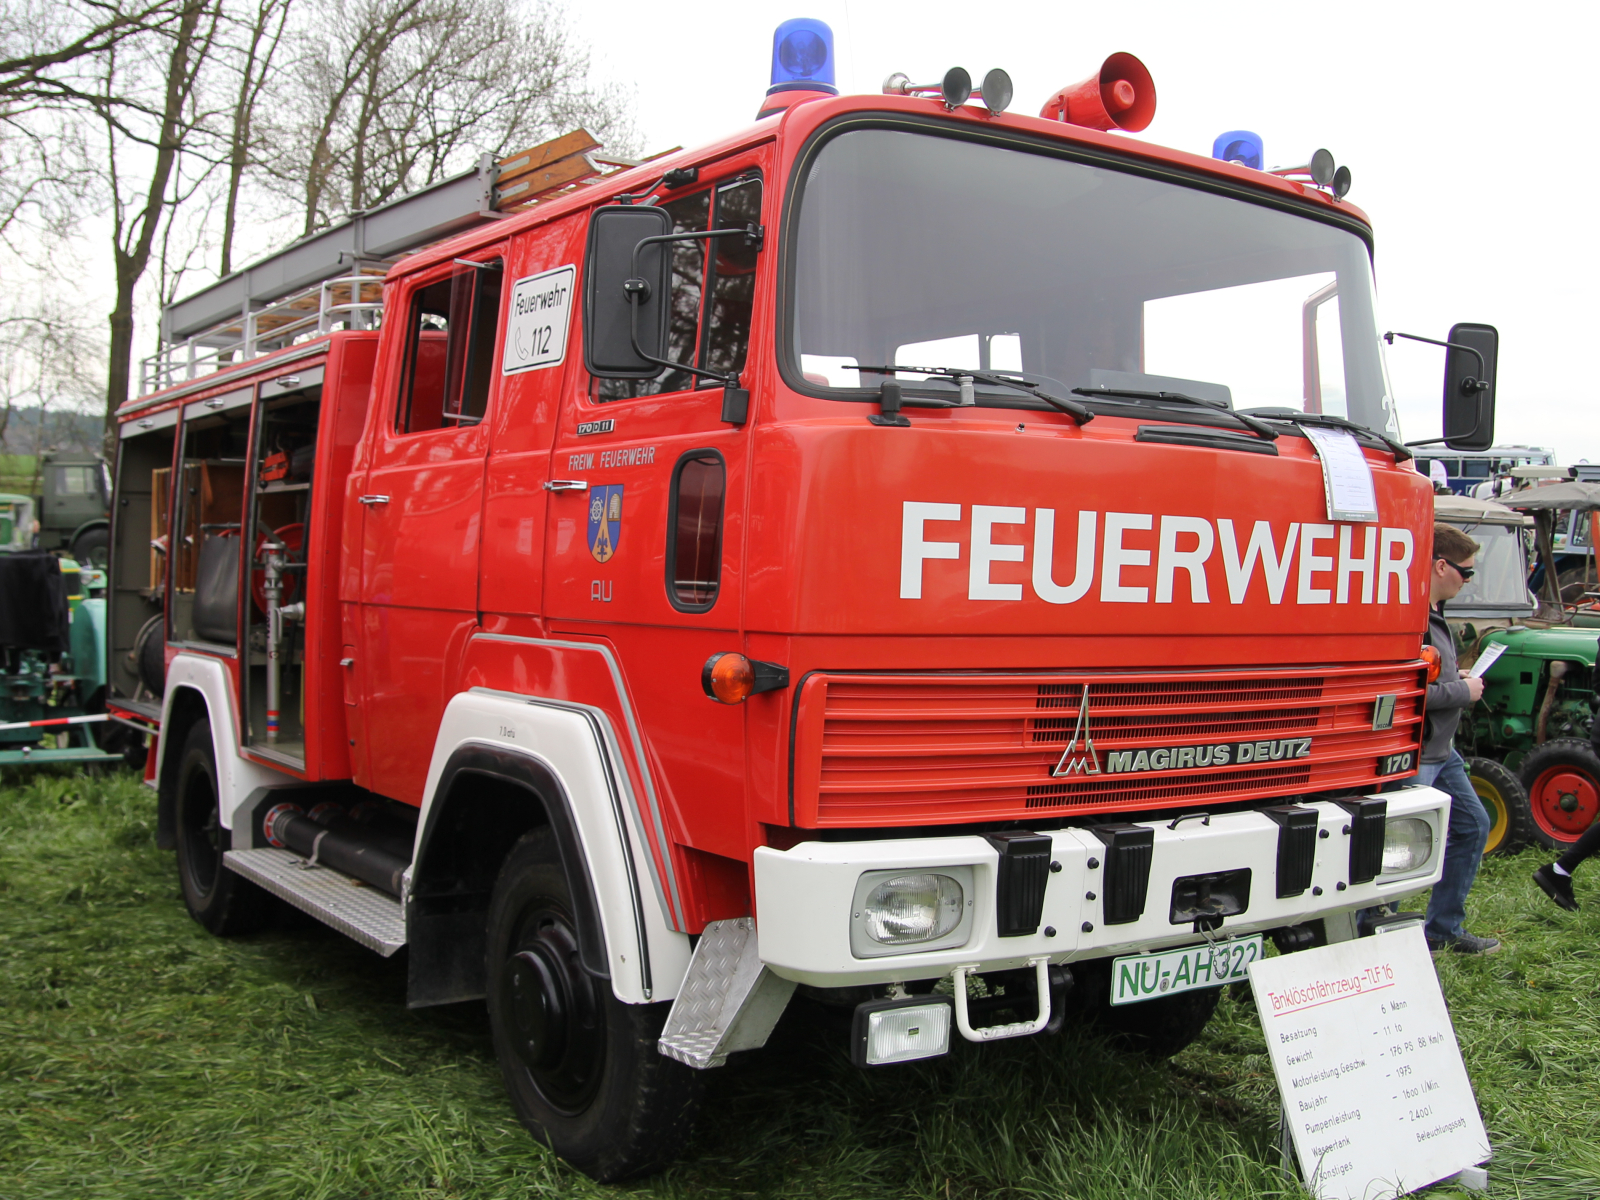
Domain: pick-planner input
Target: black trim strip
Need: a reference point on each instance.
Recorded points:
(526, 772)
(1177, 435)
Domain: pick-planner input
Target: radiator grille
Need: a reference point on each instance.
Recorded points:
(929, 749)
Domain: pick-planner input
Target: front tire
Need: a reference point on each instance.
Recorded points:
(225, 903)
(93, 548)
(1563, 782)
(581, 1067)
(1510, 823)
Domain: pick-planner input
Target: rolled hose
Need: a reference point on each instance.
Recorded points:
(376, 852)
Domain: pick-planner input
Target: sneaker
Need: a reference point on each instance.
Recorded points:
(1557, 887)
(1466, 944)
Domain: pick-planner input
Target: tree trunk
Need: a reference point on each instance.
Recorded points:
(131, 246)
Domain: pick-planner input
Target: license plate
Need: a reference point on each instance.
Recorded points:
(1151, 976)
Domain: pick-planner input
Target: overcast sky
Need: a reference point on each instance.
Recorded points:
(1469, 129)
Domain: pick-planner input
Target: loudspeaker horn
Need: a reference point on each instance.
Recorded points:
(1121, 95)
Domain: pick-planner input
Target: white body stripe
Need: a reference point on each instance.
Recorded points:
(237, 776)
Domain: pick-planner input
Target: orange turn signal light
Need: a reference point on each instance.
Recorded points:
(731, 678)
(728, 678)
(1431, 657)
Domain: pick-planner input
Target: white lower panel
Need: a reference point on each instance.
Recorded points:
(804, 894)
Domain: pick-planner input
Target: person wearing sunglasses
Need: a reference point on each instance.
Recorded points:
(1442, 765)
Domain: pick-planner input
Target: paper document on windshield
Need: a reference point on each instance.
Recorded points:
(1486, 660)
(1346, 475)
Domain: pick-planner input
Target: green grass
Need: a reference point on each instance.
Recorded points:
(139, 1057)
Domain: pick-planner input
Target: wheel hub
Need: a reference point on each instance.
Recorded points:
(1565, 801)
(538, 1008)
(553, 1011)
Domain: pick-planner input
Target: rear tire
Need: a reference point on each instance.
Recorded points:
(225, 903)
(1502, 793)
(581, 1067)
(1563, 782)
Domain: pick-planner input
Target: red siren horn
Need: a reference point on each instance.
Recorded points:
(1121, 95)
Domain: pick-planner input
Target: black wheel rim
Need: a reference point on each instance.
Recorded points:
(553, 1012)
(200, 836)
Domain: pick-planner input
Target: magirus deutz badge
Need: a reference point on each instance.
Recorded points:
(1088, 761)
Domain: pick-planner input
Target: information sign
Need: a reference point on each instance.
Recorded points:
(1376, 1095)
(1346, 475)
(536, 325)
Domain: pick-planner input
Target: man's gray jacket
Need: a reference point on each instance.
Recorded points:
(1447, 698)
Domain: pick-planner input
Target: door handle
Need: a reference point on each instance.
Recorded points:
(374, 500)
(566, 485)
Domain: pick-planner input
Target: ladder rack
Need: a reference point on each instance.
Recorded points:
(333, 279)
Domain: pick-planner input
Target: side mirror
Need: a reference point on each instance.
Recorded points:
(611, 317)
(1469, 375)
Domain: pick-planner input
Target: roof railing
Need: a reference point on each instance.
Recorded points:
(333, 279)
(353, 301)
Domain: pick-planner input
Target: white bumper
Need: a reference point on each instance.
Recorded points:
(804, 895)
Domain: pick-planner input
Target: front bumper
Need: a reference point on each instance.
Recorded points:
(804, 894)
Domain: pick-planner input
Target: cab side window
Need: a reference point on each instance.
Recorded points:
(733, 281)
(450, 350)
(713, 286)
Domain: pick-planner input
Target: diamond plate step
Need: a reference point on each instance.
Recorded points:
(355, 909)
(729, 1000)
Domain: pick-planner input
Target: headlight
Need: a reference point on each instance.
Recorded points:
(1407, 844)
(913, 908)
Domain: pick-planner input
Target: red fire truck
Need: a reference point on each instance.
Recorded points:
(879, 551)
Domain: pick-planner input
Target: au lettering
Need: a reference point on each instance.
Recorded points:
(600, 589)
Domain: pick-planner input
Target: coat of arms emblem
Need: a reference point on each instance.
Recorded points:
(605, 520)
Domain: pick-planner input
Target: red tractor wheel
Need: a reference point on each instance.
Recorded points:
(1563, 782)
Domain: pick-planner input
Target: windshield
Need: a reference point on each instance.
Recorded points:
(1499, 585)
(930, 251)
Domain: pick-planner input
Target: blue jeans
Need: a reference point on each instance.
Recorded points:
(1463, 847)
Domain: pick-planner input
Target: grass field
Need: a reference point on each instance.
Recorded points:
(143, 1058)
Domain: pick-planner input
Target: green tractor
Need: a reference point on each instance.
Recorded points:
(1528, 742)
(52, 652)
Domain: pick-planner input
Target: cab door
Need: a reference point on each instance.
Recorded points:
(645, 537)
(423, 503)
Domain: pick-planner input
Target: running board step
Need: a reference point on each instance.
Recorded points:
(729, 999)
(355, 909)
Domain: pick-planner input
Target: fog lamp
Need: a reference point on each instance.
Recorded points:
(1407, 844)
(892, 1031)
(913, 908)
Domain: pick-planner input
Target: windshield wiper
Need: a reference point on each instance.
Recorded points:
(1260, 428)
(1081, 413)
(1330, 421)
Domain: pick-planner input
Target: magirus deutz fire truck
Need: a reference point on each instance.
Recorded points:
(951, 564)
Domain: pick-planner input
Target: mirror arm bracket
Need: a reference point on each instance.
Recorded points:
(1468, 386)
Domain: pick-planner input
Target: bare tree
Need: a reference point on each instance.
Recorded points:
(48, 359)
(263, 34)
(167, 72)
(386, 96)
(43, 41)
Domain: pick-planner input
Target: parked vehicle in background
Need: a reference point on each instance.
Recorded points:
(1540, 698)
(712, 582)
(52, 652)
(1464, 470)
(72, 507)
(75, 506)
(1496, 597)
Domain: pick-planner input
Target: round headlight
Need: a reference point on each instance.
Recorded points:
(913, 908)
(1407, 843)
